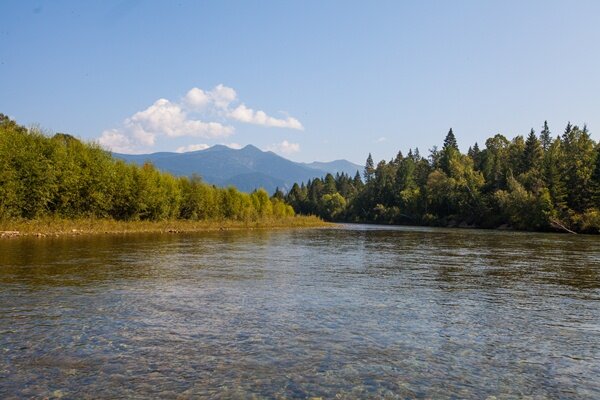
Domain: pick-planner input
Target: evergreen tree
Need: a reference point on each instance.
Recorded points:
(434, 157)
(450, 141)
(516, 151)
(568, 129)
(533, 154)
(578, 162)
(416, 155)
(553, 168)
(369, 169)
(399, 158)
(405, 175)
(545, 137)
(358, 183)
(329, 185)
(449, 152)
(475, 154)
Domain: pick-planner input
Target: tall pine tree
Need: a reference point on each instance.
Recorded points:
(369, 169)
(545, 138)
(533, 154)
(449, 151)
(450, 141)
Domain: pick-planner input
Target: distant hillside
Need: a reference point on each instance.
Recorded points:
(335, 166)
(247, 169)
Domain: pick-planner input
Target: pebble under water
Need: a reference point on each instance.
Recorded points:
(348, 312)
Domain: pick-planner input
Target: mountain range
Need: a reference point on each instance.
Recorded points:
(247, 169)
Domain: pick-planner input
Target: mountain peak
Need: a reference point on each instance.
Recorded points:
(217, 147)
(250, 147)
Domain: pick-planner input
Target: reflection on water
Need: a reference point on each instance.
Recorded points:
(349, 312)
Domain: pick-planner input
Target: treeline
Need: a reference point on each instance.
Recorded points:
(532, 183)
(60, 176)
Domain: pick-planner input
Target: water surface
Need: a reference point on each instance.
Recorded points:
(352, 312)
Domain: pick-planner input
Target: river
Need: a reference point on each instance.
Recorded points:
(348, 312)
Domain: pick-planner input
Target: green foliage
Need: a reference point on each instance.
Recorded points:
(369, 169)
(579, 157)
(450, 141)
(553, 167)
(533, 152)
(495, 162)
(533, 184)
(449, 151)
(595, 181)
(333, 205)
(60, 176)
(523, 209)
(526, 183)
(545, 137)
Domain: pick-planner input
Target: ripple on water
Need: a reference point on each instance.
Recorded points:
(351, 312)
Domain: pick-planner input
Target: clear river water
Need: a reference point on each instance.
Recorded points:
(345, 312)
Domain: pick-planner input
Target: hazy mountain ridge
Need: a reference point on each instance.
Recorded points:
(247, 168)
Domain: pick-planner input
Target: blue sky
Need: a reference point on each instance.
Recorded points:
(311, 80)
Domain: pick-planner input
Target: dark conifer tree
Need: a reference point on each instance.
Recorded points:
(568, 129)
(329, 184)
(417, 155)
(449, 151)
(450, 141)
(369, 172)
(545, 137)
(475, 154)
(533, 154)
(398, 158)
(358, 183)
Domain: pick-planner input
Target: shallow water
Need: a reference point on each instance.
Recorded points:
(352, 312)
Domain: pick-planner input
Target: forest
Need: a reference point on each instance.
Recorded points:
(527, 183)
(60, 176)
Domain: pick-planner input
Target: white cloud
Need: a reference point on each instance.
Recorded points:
(244, 114)
(192, 147)
(222, 96)
(196, 99)
(116, 141)
(285, 147)
(165, 118)
(381, 140)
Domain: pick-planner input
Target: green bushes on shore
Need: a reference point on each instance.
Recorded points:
(60, 176)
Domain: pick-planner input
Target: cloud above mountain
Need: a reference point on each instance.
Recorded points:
(284, 147)
(220, 99)
(200, 114)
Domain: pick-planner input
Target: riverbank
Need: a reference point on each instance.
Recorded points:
(64, 227)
